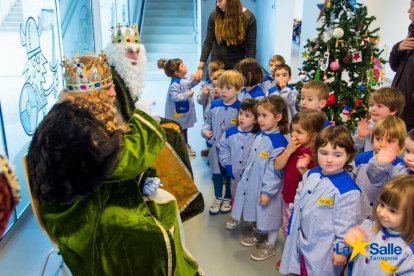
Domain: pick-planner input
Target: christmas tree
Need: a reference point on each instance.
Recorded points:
(345, 56)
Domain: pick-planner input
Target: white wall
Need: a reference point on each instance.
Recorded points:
(298, 10)
(392, 18)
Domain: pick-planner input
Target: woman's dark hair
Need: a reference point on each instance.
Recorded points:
(70, 155)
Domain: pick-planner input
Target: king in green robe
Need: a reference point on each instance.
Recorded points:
(99, 218)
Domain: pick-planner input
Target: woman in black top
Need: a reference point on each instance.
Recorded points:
(231, 35)
(402, 62)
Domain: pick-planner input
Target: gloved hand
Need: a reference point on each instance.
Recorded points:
(151, 184)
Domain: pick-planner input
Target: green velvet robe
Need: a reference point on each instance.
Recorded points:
(116, 231)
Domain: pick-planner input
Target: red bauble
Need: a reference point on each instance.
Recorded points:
(331, 100)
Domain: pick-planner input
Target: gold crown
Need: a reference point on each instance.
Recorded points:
(125, 34)
(87, 73)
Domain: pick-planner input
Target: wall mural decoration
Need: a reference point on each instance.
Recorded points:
(33, 95)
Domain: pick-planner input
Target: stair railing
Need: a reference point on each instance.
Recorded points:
(195, 20)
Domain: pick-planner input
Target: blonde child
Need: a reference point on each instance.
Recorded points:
(393, 227)
(258, 194)
(269, 79)
(372, 169)
(326, 205)
(235, 145)
(221, 116)
(296, 159)
(179, 105)
(409, 151)
(314, 95)
(284, 89)
(383, 102)
(207, 90)
(209, 93)
(253, 75)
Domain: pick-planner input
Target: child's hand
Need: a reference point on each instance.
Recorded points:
(190, 93)
(303, 162)
(363, 130)
(337, 259)
(387, 155)
(264, 199)
(205, 89)
(353, 233)
(208, 134)
(292, 146)
(282, 83)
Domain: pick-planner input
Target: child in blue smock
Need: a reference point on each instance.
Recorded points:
(326, 205)
(269, 79)
(383, 102)
(282, 87)
(372, 169)
(258, 195)
(235, 145)
(253, 75)
(389, 239)
(179, 105)
(221, 116)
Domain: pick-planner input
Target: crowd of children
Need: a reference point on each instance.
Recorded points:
(283, 169)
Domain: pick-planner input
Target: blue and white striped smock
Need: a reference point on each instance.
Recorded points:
(234, 150)
(218, 118)
(371, 177)
(325, 207)
(401, 264)
(256, 93)
(267, 83)
(178, 93)
(259, 177)
(290, 95)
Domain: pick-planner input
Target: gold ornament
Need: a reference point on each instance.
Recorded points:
(125, 34)
(87, 73)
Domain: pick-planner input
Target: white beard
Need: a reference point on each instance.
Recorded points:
(133, 75)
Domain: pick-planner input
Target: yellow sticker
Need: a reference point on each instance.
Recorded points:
(387, 267)
(325, 201)
(178, 115)
(264, 154)
(234, 121)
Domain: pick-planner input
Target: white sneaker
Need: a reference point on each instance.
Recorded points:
(225, 206)
(215, 207)
(232, 224)
(190, 151)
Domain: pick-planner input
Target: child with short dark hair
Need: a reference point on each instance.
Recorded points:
(269, 79)
(284, 89)
(325, 207)
(235, 145)
(253, 75)
(383, 102)
(179, 104)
